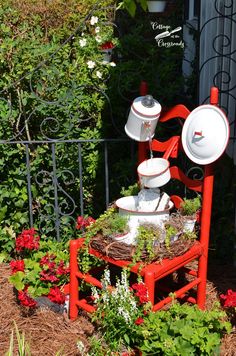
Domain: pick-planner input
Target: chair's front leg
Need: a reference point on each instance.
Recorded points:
(74, 283)
(150, 285)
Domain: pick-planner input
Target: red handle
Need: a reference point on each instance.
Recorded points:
(143, 89)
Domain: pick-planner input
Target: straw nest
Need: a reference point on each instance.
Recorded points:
(122, 251)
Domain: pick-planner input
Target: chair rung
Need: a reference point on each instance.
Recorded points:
(177, 294)
(191, 272)
(89, 279)
(82, 303)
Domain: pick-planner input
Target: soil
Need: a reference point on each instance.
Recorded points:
(50, 333)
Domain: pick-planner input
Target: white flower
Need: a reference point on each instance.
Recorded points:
(107, 277)
(98, 74)
(112, 64)
(91, 64)
(95, 294)
(124, 313)
(97, 29)
(98, 39)
(83, 42)
(124, 277)
(133, 305)
(81, 347)
(94, 20)
(105, 298)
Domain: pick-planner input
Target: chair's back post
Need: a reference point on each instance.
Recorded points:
(206, 218)
(214, 96)
(208, 185)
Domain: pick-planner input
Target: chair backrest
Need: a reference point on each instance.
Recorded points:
(171, 149)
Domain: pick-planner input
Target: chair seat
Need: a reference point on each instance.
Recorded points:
(159, 269)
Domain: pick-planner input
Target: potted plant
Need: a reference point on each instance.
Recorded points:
(106, 48)
(113, 225)
(106, 40)
(189, 209)
(156, 6)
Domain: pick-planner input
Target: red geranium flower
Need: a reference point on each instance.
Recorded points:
(26, 300)
(56, 295)
(48, 276)
(229, 299)
(47, 260)
(61, 269)
(80, 223)
(139, 321)
(141, 292)
(89, 221)
(17, 266)
(28, 239)
(84, 222)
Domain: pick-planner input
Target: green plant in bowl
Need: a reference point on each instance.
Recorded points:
(115, 224)
(108, 224)
(189, 207)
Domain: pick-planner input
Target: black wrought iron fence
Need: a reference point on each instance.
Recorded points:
(52, 197)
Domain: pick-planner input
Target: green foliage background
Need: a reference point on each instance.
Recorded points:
(57, 85)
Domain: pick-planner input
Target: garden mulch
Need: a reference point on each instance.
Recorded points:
(49, 333)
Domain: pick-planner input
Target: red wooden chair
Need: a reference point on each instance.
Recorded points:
(153, 273)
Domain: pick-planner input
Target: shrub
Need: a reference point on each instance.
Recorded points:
(182, 330)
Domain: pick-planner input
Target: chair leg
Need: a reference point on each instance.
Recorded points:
(150, 285)
(74, 283)
(202, 274)
(204, 234)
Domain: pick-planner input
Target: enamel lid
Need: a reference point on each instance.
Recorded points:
(146, 106)
(205, 134)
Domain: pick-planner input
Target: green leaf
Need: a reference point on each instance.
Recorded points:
(39, 291)
(3, 257)
(143, 4)
(127, 339)
(130, 6)
(3, 211)
(17, 280)
(184, 347)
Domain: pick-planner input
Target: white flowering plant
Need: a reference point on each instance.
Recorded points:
(96, 38)
(120, 310)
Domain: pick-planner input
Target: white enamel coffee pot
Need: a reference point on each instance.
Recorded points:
(143, 118)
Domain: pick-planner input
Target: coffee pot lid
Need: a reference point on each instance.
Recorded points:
(146, 106)
(205, 134)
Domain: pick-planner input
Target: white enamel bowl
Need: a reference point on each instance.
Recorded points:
(128, 206)
(154, 172)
